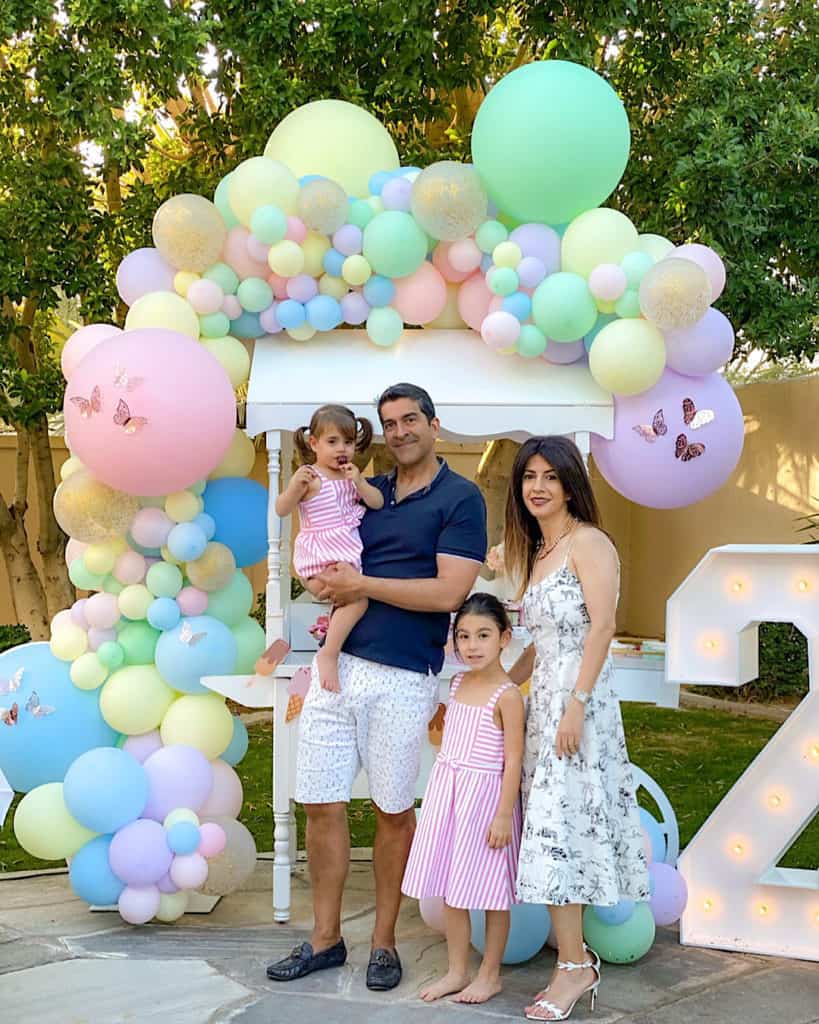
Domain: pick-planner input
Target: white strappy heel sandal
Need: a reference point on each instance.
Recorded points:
(568, 965)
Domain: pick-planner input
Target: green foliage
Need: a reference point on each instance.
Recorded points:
(11, 636)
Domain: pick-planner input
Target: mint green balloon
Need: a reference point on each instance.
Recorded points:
(360, 213)
(82, 577)
(268, 224)
(112, 586)
(111, 654)
(394, 245)
(214, 325)
(138, 642)
(490, 234)
(563, 307)
(550, 140)
(225, 276)
(222, 203)
(250, 643)
(635, 264)
(254, 294)
(503, 281)
(164, 579)
(384, 326)
(231, 604)
(620, 943)
(628, 305)
(531, 341)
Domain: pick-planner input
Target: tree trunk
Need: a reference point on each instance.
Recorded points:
(58, 589)
(494, 473)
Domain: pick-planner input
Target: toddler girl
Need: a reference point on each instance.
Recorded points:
(465, 849)
(328, 489)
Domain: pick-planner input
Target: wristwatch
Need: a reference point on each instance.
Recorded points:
(581, 695)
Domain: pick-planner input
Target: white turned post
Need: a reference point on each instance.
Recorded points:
(583, 441)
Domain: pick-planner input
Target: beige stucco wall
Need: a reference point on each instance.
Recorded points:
(776, 481)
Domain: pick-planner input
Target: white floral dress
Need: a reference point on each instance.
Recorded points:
(582, 839)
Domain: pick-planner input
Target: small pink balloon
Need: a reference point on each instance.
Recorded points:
(98, 637)
(138, 903)
(500, 329)
(235, 254)
(62, 618)
(464, 256)
(151, 527)
(192, 601)
(440, 260)
(74, 549)
(205, 296)
(225, 798)
(279, 285)
(80, 344)
(563, 352)
(257, 250)
(231, 307)
(421, 296)
(354, 308)
(142, 746)
(189, 871)
(166, 885)
(474, 299)
(296, 230)
(607, 282)
(78, 611)
(212, 839)
(102, 611)
(705, 257)
(130, 567)
(269, 320)
(143, 271)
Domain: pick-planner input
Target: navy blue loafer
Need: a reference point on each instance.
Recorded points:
(303, 961)
(383, 970)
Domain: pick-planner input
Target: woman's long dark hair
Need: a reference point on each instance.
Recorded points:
(522, 534)
(353, 428)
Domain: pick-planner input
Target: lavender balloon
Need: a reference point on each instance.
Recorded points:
(701, 348)
(670, 893)
(674, 444)
(143, 271)
(354, 308)
(540, 241)
(178, 776)
(139, 853)
(563, 352)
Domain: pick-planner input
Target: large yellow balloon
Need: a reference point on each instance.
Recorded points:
(238, 460)
(166, 310)
(232, 356)
(91, 511)
(201, 721)
(189, 232)
(627, 357)
(44, 827)
(596, 236)
(135, 699)
(336, 139)
(260, 181)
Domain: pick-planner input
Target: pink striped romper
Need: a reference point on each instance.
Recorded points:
(450, 855)
(328, 530)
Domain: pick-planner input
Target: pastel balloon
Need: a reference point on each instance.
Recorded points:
(102, 611)
(45, 828)
(262, 181)
(142, 271)
(236, 255)
(90, 873)
(442, 263)
(178, 776)
(563, 307)
(628, 356)
(212, 839)
(237, 748)
(675, 293)
(171, 906)
(448, 200)
(669, 893)
(465, 255)
(564, 352)
(139, 853)
(621, 943)
(394, 244)
(682, 465)
(81, 342)
(607, 281)
(239, 458)
(135, 699)
(189, 871)
(213, 569)
(188, 232)
(139, 904)
(226, 794)
(105, 789)
(421, 296)
(449, 318)
(539, 242)
(229, 870)
(130, 568)
(474, 299)
(205, 296)
(203, 722)
(703, 347)
(596, 236)
(707, 259)
(141, 747)
(197, 646)
(164, 311)
(192, 601)
(126, 445)
(91, 510)
(655, 246)
(432, 913)
(500, 330)
(323, 205)
(232, 603)
(335, 139)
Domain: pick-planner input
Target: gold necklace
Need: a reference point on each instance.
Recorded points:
(543, 551)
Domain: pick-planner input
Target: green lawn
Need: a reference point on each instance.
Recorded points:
(694, 755)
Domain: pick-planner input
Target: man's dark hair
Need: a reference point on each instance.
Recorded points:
(411, 391)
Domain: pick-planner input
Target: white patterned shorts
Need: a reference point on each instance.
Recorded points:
(378, 720)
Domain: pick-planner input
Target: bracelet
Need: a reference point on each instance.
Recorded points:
(581, 695)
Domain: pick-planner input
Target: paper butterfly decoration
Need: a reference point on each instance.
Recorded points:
(37, 709)
(8, 716)
(187, 635)
(657, 428)
(694, 419)
(88, 406)
(123, 418)
(124, 382)
(685, 451)
(12, 685)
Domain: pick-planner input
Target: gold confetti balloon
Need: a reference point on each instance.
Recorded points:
(448, 200)
(189, 232)
(323, 205)
(675, 293)
(90, 511)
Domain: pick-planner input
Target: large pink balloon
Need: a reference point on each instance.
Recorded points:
(237, 257)
(162, 416)
(80, 344)
(143, 271)
(658, 459)
(474, 300)
(421, 296)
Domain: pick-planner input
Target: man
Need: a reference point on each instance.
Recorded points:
(422, 553)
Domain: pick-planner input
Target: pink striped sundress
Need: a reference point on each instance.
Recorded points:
(450, 856)
(328, 530)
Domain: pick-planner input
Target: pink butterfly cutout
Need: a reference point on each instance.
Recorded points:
(123, 418)
(123, 381)
(37, 709)
(12, 685)
(187, 635)
(88, 406)
(8, 716)
(696, 419)
(658, 428)
(685, 451)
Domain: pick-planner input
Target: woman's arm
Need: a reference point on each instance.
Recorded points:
(510, 711)
(522, 669)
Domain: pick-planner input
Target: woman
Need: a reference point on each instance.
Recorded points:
(582, 841)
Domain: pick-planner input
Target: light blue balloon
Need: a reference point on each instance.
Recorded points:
(247, 325)
(205, 522)
(187, 541)
(518, 304)
(237, 748)
(91, 876)
(239, 509)
(528, 931)
(105, 789)
(333, 262)
(655, 835)
(617, 914)
(378, 181)
(163, 613)
(379, 291)
(40, 748)
(184, 837)
(291, 314)
(324, 312)
(199, 646)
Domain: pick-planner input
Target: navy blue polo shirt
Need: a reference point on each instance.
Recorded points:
(401, 541)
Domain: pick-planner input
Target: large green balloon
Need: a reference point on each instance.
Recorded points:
(138, 641)
(394, 245)
(232, 603)
(563, 307)
(620, 943)
(550, 141)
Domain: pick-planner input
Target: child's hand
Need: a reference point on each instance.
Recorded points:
(351, 472)
(500, 832)
(302, 478)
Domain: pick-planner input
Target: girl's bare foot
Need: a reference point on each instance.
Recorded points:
(451, 982)
(328, 671)
(480, 991)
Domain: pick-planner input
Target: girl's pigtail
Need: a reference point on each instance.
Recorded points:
(302, 445)
(364, 434)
